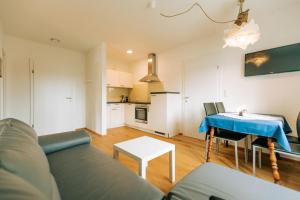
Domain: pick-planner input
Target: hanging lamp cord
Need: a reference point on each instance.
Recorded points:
(198, 5)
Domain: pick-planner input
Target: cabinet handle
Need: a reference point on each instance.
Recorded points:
(152, 95)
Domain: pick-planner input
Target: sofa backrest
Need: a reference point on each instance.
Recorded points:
(23, 161)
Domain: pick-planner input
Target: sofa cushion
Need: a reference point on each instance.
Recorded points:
(83, 172)
(23, 127)
(213, 180)
(21, 155)
(60, 141)
(13, 187)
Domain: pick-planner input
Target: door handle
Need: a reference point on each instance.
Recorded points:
(69, 98)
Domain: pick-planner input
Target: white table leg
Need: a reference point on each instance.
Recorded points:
(172, 165)
(142, 168)
(116, 154)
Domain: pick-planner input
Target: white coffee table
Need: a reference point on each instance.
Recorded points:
(144, 149)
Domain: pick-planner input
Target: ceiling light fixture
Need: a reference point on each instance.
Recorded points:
(129, 51)
(240, 34)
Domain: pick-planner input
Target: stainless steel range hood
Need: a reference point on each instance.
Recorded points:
(152, 69)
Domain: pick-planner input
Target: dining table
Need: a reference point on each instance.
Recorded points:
(273, 127)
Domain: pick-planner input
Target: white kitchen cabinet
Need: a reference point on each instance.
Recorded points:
(125, 80)
(108, 116)
(119, 79)
(130, 114)
(165, 114)
(157, 113)
(112, 78)
(115, 115)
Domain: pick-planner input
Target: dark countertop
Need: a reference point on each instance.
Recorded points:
(165, 92)
(130, 102)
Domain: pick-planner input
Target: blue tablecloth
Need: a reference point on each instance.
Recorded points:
(266, 128)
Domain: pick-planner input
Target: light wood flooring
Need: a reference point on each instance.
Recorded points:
(189, 155)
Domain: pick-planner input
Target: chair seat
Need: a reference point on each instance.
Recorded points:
(293, 139)
(263, 143)
(229, 135)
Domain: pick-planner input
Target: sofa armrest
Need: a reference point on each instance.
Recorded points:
(60, 141)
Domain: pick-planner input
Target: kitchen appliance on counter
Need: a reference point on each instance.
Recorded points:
(124, 99)
(141, 113)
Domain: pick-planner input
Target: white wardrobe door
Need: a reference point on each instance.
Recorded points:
(17, 84)
(54, 109)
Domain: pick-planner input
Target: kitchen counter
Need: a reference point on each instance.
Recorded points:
(165, 92)
(130, 102)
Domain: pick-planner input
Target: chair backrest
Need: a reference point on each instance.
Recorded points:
(298, 125)
(220, 107)
(210, 109)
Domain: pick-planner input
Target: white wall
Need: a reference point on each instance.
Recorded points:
(59, 65)
(96, 89)
(1, 39)
(1, 66)
(117, 64)
(270, 94)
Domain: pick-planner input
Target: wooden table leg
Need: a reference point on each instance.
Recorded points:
(273, 160)
(210, 143)
(172, 165)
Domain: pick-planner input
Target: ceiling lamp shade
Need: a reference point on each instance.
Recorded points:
(242, 36)
(241, 33)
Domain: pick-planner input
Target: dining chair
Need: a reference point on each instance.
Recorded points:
(262, 143)
(293, 139)
(221, 134)
(220, 107)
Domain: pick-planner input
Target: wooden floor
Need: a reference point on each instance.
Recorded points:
(189, 155)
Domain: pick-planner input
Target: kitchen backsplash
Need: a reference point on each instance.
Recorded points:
(141, 91)
(114, 94)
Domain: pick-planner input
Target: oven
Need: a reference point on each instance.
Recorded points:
(141, 113)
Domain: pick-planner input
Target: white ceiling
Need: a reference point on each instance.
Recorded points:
(122, 24)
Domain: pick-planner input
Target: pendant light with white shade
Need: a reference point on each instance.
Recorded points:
(241, 33)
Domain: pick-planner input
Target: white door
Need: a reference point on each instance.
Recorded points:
(54, 109)
(201, 84)
(1, 87)
(17, 84)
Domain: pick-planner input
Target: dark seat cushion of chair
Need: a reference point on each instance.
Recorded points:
(263, 142)
(228, 135)
(213, 180)
(293, 139)
(83, 172)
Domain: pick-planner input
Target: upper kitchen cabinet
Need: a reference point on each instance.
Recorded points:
(125, 80)
(119, 79)
(112, 78)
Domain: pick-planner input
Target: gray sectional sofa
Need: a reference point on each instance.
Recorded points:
(66, 166)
